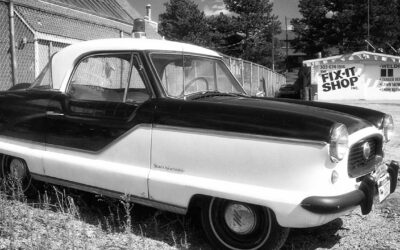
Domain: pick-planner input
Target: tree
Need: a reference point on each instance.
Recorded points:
(224, 35)
(183, 21)
(254, 19)
(343, 25)
(247, 33)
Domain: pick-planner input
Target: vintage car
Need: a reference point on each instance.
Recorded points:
(288, 91)
(167, 124)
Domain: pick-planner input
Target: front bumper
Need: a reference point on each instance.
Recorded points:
(363, 196)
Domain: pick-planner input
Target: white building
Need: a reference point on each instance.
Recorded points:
(360, 75)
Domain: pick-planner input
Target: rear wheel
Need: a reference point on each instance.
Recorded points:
(236, 225)
(15, 174)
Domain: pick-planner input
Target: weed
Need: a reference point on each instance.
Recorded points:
(53, 220)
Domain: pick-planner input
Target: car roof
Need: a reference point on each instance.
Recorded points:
(140, 44)
(64, 60)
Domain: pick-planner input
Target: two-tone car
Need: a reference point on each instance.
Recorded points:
(167, 124)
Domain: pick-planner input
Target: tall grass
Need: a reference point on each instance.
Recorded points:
(62, 219)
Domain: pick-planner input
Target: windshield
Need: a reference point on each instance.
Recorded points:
(183, 75)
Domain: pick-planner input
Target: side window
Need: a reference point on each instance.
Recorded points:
(137, 92)
(108, 78)
(44, 80)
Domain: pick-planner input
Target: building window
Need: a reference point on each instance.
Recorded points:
(386, 72)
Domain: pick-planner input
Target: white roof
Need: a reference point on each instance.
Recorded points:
(356, 56)
(63, 61)
(140, 44)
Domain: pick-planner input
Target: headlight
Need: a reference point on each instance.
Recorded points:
(388, 127)
(339, 142)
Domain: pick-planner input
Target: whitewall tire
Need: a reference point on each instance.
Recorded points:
(236, 225)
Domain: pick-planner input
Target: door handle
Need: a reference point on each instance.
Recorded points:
(53, 113)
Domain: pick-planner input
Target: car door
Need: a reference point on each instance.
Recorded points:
(22, 125)
(99, 132)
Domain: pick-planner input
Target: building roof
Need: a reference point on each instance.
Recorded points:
(63, 26)
(58, 10)
(77, 19)
(105, 8)
(129, 9)
(356, 56)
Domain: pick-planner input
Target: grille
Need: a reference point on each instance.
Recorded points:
(358, 165)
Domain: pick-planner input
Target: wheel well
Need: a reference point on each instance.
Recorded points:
(197, 201)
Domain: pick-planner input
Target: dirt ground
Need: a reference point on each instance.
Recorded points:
(378, 230)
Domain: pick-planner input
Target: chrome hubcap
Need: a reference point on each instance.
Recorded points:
(240, 218)
(17, 169)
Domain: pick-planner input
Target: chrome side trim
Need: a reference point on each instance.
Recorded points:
(238, 135)
(110, 193)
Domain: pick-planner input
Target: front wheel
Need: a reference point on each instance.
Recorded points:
(236, 225)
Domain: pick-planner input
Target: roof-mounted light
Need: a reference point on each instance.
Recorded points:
(139, 28)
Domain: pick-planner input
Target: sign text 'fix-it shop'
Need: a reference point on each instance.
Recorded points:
(338, 79)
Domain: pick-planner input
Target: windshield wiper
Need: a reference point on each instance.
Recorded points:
(210, 93)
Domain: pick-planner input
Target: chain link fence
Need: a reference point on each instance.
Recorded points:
(25, 52)
(38, 34)
(257, 80)
(5, 53)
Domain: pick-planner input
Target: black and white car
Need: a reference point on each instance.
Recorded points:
(169, 125)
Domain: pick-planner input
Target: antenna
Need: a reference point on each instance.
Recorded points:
(370, 44)
(395, 51)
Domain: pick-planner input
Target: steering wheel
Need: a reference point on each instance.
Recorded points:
(191, 82)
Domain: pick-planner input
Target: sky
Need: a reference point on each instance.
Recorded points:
(282, 8)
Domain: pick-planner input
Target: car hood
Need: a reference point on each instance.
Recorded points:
(263, 116)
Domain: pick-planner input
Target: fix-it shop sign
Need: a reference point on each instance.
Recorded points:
(389, 81)
(338, 80)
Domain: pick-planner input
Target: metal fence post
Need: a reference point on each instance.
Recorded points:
(251, 78)
(12, 44)
(258, 79)
(242, 72)
(36, 49)
(50, 48)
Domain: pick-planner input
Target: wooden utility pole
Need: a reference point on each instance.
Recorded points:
(287, 45)
(368, 7)
(273, 52)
